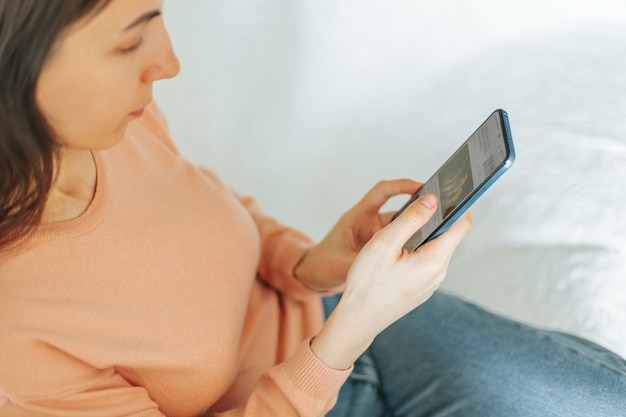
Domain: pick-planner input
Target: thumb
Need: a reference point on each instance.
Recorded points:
(410, 220)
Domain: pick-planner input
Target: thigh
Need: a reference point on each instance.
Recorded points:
(451, 358)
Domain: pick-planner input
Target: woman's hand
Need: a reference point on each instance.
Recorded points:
(326, 265)
(386, 282)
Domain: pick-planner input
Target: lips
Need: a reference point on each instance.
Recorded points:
(139, 112)
(136, 113)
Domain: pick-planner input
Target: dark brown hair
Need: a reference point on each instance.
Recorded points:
(28, 32)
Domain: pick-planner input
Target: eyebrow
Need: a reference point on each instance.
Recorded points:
(143, 19)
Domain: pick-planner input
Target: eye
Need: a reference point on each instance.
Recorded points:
(133, 47)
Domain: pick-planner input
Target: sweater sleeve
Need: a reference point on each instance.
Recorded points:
(302, 386)
(282, 248)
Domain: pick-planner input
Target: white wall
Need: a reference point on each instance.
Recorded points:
(302, 103)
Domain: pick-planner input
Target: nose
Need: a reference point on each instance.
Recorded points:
(164, 63)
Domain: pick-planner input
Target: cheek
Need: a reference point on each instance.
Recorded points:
(85, 112)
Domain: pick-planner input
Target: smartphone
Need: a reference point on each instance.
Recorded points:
(465, 176)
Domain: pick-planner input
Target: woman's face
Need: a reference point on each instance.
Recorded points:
(100, 73)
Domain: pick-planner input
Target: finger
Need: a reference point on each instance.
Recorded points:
(385, 218)
(384, 190)
(459, 229)
(452, 237)
(410, 220)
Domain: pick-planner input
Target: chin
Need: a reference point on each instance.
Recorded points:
(109, 141)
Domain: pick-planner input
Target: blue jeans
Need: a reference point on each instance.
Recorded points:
(451, 358)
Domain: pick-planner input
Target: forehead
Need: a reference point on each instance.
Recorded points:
(97, 32)
(112, 17)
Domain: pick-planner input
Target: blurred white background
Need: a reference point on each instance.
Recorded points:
(307, 104)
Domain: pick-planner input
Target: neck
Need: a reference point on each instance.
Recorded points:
(73, 187)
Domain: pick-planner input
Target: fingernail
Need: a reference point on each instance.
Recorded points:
(428, 201)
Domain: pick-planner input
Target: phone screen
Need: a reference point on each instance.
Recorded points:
(469, 171)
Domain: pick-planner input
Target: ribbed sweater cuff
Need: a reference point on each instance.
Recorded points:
(311, 377)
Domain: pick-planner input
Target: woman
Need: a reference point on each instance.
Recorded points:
(133, 283)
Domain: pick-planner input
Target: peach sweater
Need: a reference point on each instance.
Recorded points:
(169, 296)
